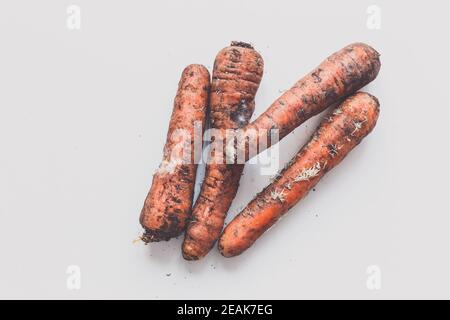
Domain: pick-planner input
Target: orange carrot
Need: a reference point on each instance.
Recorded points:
(340, 75)
(236, 76)
(168, 203)
(336, 136)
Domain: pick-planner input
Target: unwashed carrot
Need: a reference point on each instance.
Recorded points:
(236, 77)
(338, 76)
(168, 203)
(336, 136)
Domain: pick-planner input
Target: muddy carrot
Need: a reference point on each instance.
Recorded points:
(339, 75)
(336, 136)
(168, 203)
(236, 77)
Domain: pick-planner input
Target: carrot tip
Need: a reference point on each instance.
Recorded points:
(188, 252)
(155, 236)
(375, 99)
(226, 253)
(241, 44)
(190, 257)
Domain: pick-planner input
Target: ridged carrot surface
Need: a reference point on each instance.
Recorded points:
(168, 203)
(236, 77)
(336, 136)
(341, 74)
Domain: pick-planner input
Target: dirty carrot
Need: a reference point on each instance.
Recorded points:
(168, 203)
(336, 136)
(236, 77)
(339, 75)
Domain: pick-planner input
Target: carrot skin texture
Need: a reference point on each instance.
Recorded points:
(168, 203)
(339, 75)
(236, 77)
(336, 136)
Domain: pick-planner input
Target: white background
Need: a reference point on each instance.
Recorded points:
(83, 121)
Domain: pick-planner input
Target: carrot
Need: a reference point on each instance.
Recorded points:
(336, 136)
(341, 74)
(236, 77)
(168, 203)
